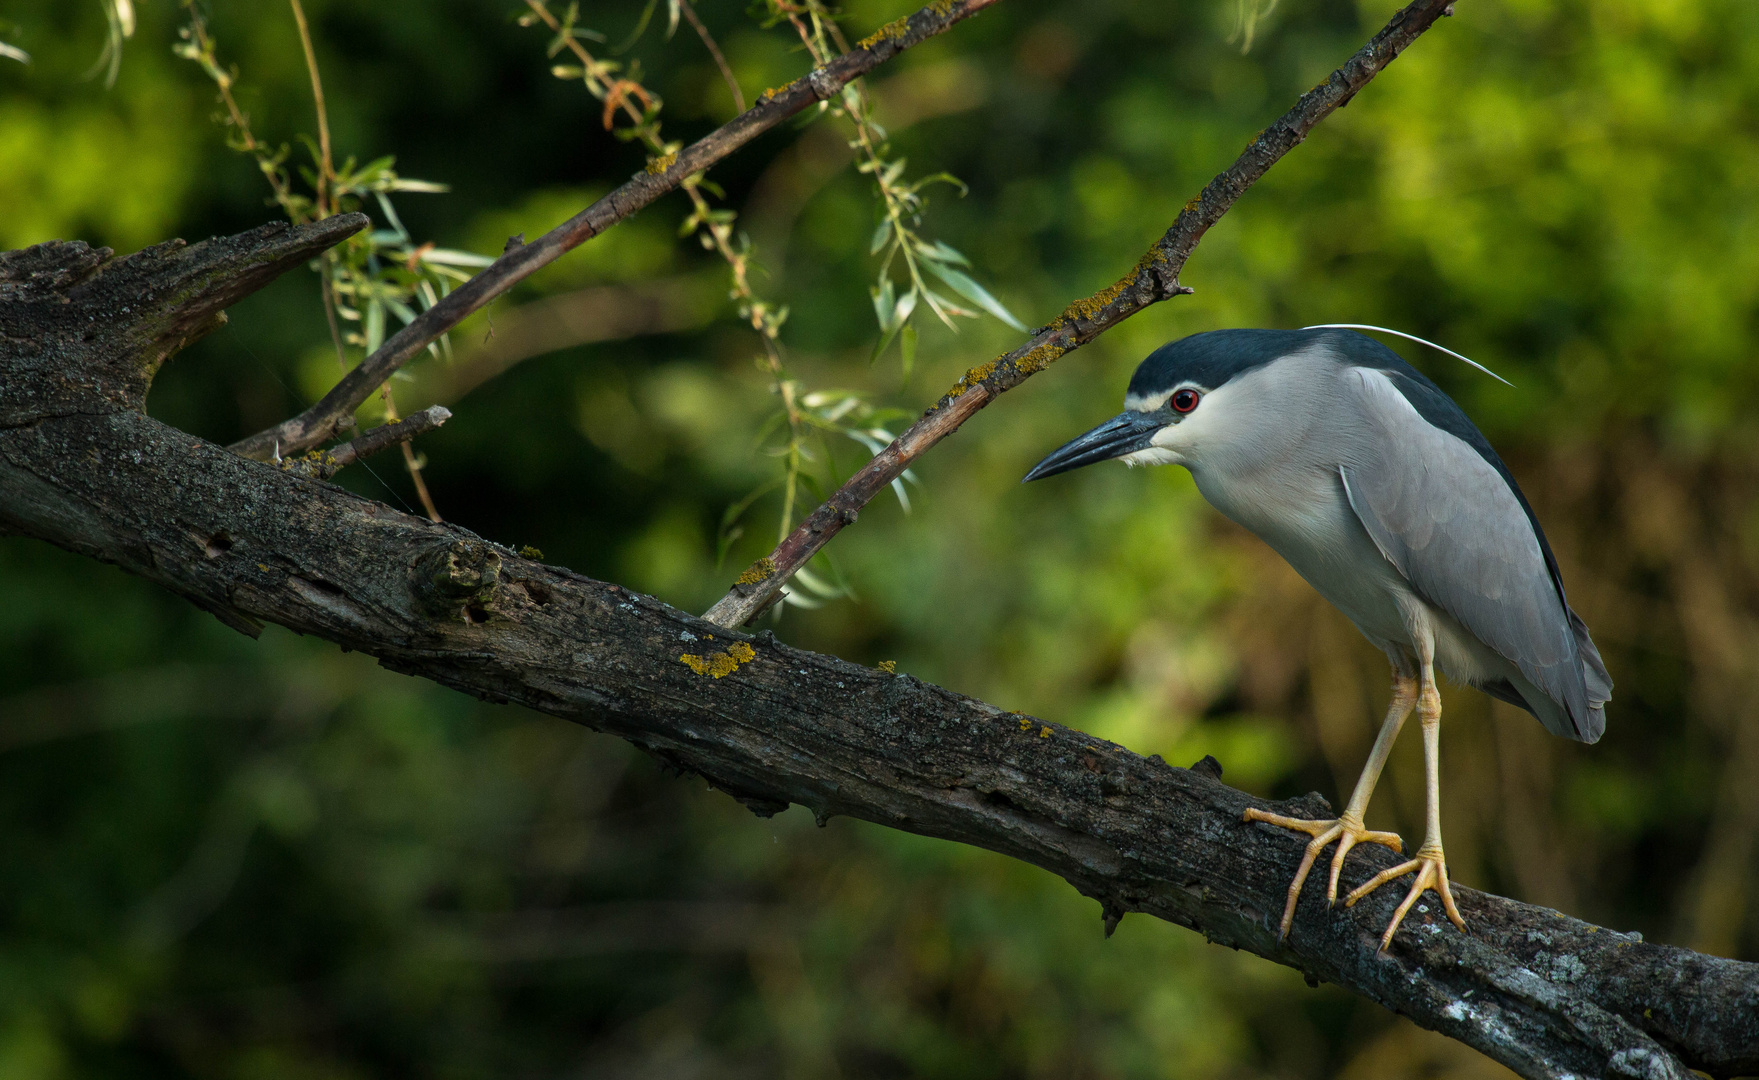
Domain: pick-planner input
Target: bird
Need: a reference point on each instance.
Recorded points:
(1376, 488)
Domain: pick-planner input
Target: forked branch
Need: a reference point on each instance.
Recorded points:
(1155, 278)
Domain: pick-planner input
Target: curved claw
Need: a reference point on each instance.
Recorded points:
(1430, 867)
(1346, 831)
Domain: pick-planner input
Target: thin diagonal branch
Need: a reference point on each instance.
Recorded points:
(320, 422)
(714, 50)
(1155, 278)
(83, 467)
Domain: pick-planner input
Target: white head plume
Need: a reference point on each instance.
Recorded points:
(1411, 337)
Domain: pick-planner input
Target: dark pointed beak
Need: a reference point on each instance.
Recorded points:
(1122, 434)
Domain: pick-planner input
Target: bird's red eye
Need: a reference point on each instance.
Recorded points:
(1184, 401)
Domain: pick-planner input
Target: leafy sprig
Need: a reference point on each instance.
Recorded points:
(897, 239)
(370, 278)
(792, 435)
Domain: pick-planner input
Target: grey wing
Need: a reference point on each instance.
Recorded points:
(1450, 523)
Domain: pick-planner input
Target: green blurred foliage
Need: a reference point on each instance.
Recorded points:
(270, 861)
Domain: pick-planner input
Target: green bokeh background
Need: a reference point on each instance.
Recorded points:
(271, 861)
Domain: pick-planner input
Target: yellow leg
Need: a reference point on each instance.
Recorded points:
(1347, 829)
(1430, 864)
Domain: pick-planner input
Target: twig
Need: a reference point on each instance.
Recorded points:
(320, 422)
(414, 466)
(326, 167)
(388, 435)
(1155, 278)
(323, 464)
(714, 51)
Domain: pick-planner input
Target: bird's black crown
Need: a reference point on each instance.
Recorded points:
(1210, 359)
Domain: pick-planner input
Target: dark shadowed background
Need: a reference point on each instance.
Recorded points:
(267, 860)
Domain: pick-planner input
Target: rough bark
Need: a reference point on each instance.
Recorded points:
(81, 466)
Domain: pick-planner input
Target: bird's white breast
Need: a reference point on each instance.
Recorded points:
(1265, 449)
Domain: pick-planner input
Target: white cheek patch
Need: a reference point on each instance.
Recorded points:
(1169, 437)
(1214, 421)
(1154, 455)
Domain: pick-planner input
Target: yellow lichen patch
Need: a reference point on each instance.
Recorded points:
(725, 662)
(658, 165)
(893, 29)
(758, 572)
(890, 667)
(973, 377)
(1039, 359)
(1026, 723)
(1093, 305)
(943, 8)
(1044, 732)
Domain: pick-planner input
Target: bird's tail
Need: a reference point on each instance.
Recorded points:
(1596, 680)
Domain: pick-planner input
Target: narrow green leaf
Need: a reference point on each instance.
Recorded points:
(881, 236)
(883, 302)
(945, 253)
(799, 599)
(942, 308)
(454, 257)
(375, 325)
(940, 178)
(900, 316)
(404, 313)
(647, 13)
(817, 584)
(906, 305)
(974, 292)
(907, 345)
(885, 342)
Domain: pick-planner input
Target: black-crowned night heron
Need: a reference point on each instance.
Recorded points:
(1381, 493)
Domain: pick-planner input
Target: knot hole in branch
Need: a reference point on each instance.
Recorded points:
(461, 581)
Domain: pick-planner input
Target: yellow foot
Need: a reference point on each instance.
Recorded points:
(1431, 869)
(1347, 831)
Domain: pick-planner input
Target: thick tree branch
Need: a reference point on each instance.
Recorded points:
(81, 467)
(321, 422)
(1155, 278)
